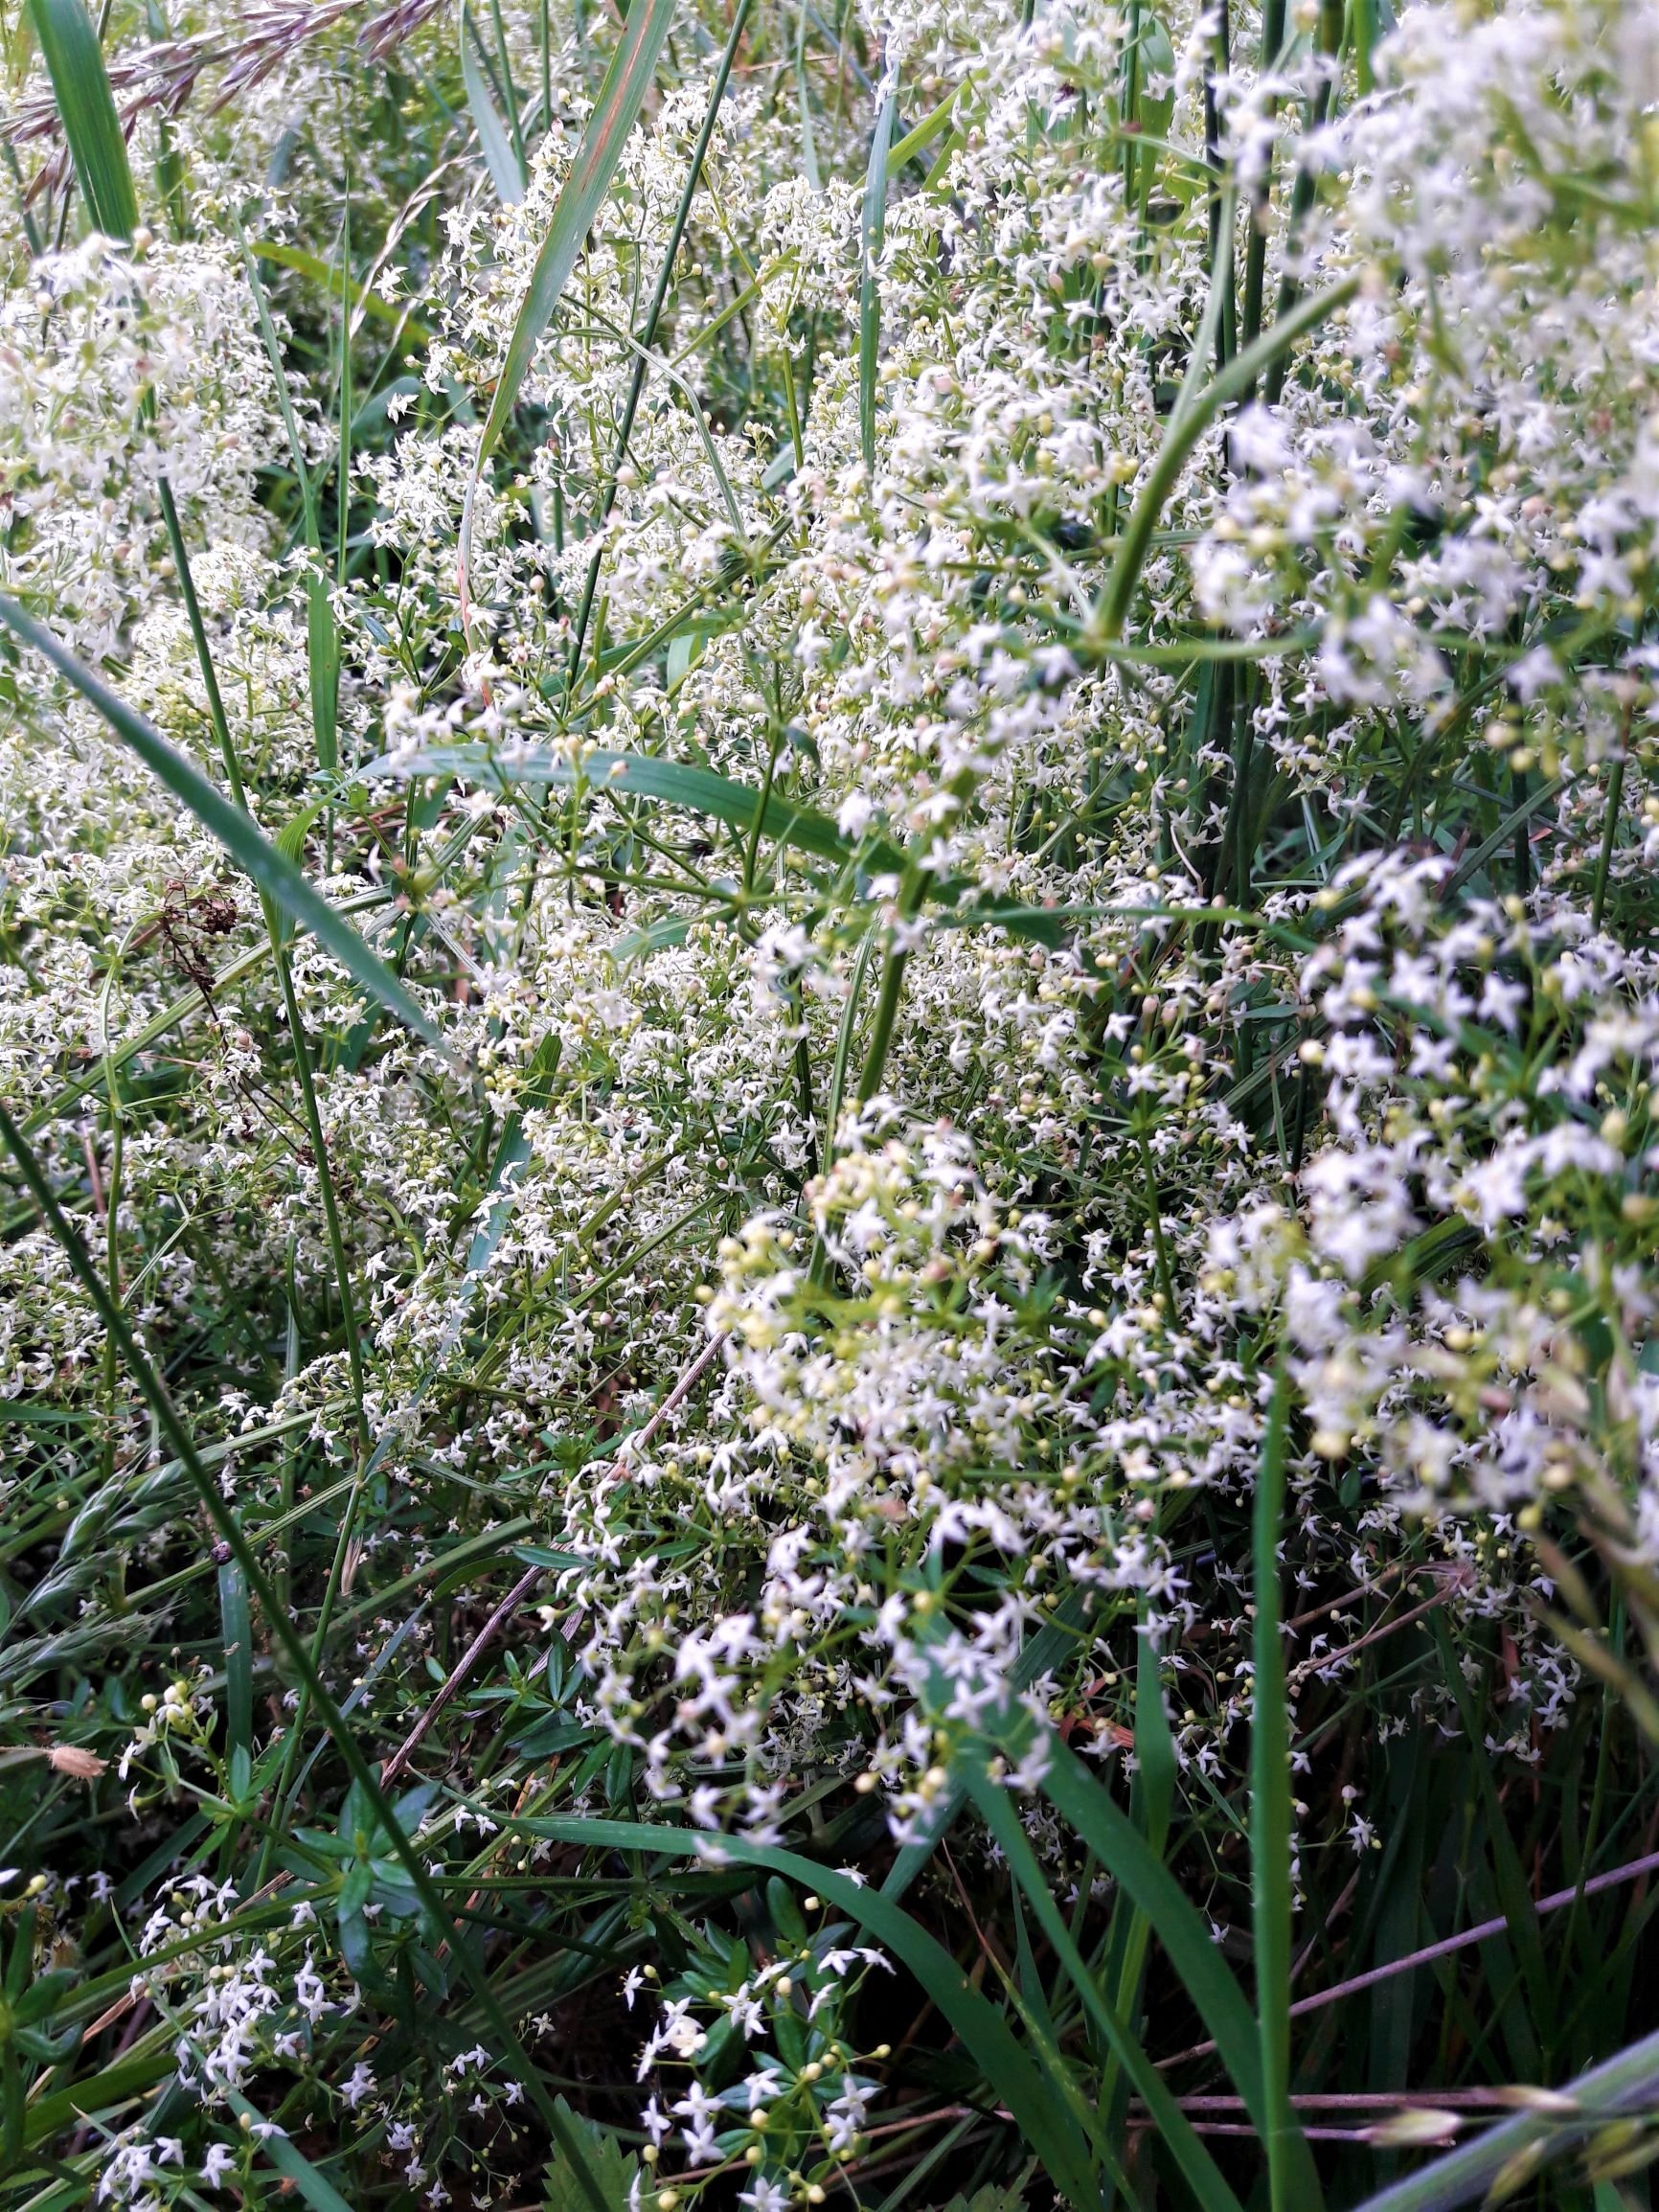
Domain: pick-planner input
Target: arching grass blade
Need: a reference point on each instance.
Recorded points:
(275, 874)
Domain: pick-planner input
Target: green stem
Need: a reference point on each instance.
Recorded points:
(648, 334)
(1270, 1846)
(1155, 1216)
(1609, 832)
(893, 966)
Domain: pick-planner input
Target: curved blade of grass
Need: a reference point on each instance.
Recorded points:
(873, 230)
(282, 1626)
(359, 297)
(1627, 2081)
(1270, 1829)
(916, 141)
(1238, 377)
(80, 86)
(700, 790)
(703, 791)
(621, 96)
(499, 156)
(1039, 2110)
(276, 875)
(1171, 2123)
(1180, 1928)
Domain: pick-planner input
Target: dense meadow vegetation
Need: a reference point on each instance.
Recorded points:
(828, 992)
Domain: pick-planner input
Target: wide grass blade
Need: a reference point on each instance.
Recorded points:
(276, 875)
(1186, 428)
(1627, 2083)
(1038, 2110)
(621, 96)
(500, 158)
(81, 85)
(1086, 1805)
(283, 1628)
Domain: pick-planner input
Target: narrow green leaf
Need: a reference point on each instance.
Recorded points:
(237, 1625)
(1153, 110)
(313, 2188)
(921, 137)
(872, 232)
(1086, 1804)
(1270, 1829)
(641, 776)
(323, 651)
(321, 633)
(1173, 2124)
(621, 96)
(808, 143)
(360, 298)
(81, 85)
(276, 875)
(500, 158)
(1183, 431)
(1037, 2109)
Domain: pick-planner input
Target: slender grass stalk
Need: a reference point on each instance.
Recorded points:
(1270, 1842)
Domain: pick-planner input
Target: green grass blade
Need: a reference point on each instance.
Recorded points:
(1238, 377)
(1205, 2177)
(81, 85)
(1626, 2081)
(297, 2170)
(277, 876)
(873, 230)
(323, 661)
(1039, 2110)
(917, 140)
(1270, 1831)
(362, 299)
(627, 81)
(500, 158)
(803, 101)
(640, 775)
(1152, 1801)
(239, 1646)
(321, 633)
